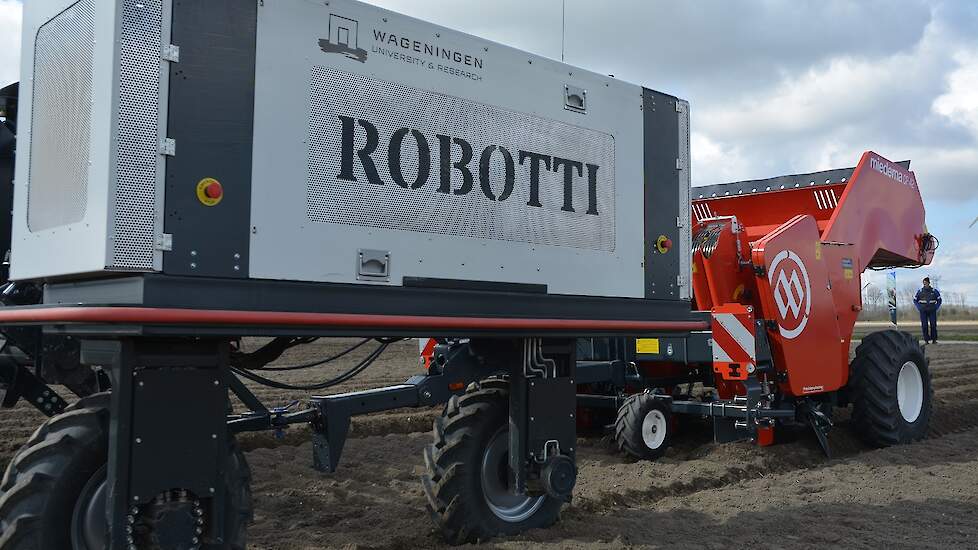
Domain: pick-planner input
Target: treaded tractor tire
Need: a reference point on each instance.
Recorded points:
(874, 389)
(631, 419)
(453, 480)
(48, 474)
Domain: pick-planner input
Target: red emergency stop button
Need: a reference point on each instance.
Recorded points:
(214, 190)
(209, 191)
(663, 244)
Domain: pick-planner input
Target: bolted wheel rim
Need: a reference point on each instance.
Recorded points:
(495, 483)
(910, 391)
(89, 530)
(654, 427)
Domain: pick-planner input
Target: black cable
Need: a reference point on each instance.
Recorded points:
(357, 369)
(354, 371)
(301, 366)
(267, 353)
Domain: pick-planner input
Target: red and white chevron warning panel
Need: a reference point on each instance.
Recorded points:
(426, 347)
(734, 349)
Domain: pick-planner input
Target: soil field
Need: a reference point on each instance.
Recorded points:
(947, 331)
(700, 495)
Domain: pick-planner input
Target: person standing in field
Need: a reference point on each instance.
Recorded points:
(928, 301)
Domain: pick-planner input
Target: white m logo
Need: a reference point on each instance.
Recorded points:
(792, 293)
(789, 288)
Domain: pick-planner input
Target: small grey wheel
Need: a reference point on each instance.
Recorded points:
(654, 427)
(643, 429)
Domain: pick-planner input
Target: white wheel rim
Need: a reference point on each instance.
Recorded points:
(654, 429)
(910, 391)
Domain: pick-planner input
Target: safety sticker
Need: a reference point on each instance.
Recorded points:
(647, 345)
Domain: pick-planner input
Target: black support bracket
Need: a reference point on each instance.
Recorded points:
(18, 382)
(159, 442)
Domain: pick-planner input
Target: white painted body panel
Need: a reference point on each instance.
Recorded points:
(510, 85)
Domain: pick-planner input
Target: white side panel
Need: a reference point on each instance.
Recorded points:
(73, 239)
(311, 214)
(89, 185)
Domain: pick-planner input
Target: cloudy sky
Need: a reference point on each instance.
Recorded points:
(776, 86)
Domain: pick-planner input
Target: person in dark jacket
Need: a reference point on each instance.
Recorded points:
(928, 301)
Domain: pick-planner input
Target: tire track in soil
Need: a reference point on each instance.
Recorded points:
(954, 412)
(950, 369)
(953, 379)
(948, 418)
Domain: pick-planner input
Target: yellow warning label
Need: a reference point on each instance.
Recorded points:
(818, 250)
(848, 273)
(647, 345)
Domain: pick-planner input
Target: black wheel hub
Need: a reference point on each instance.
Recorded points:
(559, 477)
(172, 521)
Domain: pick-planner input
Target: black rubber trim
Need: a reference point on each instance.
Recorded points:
(462, 284)
(166, 291)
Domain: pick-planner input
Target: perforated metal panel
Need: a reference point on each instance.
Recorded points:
(61, 118)
(138, 135)
(468, 210)
(685, 238)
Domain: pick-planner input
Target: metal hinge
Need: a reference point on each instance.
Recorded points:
(171, 53)
(168, 147)
(679, 164)
(679, 107)
(164, 242)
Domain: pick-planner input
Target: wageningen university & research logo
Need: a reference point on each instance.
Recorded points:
(344, 39)
(344, 34)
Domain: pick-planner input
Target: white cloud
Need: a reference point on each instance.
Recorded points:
(960, 103)
(714, 162)
(919, 102)
(9, 41)
(819, 100)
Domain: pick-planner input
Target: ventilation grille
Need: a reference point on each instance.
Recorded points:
(61, 117)
(137, 128)
(390, 107)
(685, 175)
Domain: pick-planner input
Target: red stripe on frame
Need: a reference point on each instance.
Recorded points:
(171, 316)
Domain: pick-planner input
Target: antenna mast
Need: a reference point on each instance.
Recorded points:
(563, 27)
